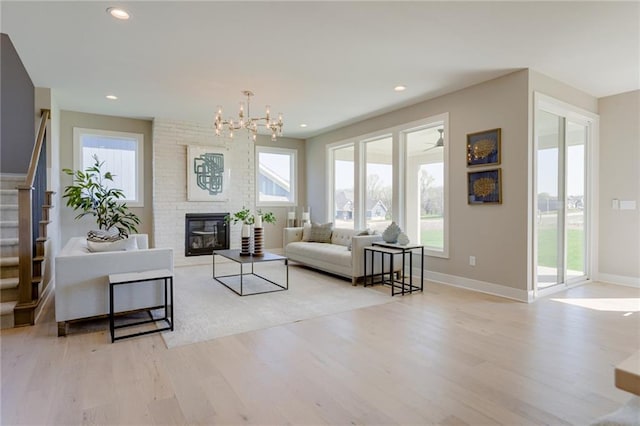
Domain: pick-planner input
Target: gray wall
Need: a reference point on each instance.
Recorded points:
(17, 134)
(68, 120)
(619, 164)
(495, 234)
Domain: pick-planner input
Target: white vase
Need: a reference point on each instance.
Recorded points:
(390, 235)
(403, 239)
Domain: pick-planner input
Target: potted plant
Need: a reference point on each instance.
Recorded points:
(91, 194)
(247, 218)
(243, 216)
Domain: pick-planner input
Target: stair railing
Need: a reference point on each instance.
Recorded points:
(24, 311)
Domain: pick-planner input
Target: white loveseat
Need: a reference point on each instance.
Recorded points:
(334, 257)
(82, 279)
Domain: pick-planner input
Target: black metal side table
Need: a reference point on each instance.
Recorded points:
(388, 250)
(137, 277)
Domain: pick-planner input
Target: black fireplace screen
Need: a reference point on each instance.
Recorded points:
(205, 232)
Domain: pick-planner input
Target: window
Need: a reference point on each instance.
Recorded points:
(344, 186)
(275, 176)
(426, 185)
(122, 154)
(399, 174)
(378, 196)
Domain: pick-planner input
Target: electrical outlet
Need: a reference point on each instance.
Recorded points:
(472, 260)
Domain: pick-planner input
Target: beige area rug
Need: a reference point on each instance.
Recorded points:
(205, 309)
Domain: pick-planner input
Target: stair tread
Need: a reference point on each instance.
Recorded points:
(7, 283)
(8, 241)
(9, 261)
(9, 206)
(6, 308)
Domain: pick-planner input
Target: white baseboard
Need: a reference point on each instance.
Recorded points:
(620, 280)
(480, 286)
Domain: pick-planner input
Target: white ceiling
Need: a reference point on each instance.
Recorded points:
(321, 63)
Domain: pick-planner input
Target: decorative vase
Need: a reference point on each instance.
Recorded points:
(403, 239)
(246, 240)
(258, 242)
(390, 235)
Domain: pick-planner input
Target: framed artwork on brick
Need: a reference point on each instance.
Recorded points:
(208, 173)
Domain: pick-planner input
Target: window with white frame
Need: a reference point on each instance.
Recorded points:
(275, 176)
(363, 187)
(122, 154)
(343, 186)
(426, 208)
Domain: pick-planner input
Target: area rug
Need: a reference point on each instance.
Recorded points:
(205, 309)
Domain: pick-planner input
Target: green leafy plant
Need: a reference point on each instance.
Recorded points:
(246, 217)
(91, 194)
(267, 217)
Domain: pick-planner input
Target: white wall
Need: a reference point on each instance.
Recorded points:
(170, 204)
(619, 237)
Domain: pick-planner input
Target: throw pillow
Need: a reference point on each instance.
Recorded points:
(321, 233)
(127, 244)
(306, 232)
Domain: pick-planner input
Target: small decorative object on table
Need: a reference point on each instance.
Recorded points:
(247, 220)
(245, 248)
(390, 235)
(403, 239)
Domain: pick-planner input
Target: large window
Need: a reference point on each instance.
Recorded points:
(122, 154)
(275, 176)
(344, 186)
(425, 178)
(399, 174)
(378, 195)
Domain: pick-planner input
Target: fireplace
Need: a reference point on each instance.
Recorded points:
(205, 232)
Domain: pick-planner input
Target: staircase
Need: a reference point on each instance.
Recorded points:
(22, 243)
(9, 260)
(8, 248)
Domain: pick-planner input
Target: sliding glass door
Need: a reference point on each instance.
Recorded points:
(561, 182)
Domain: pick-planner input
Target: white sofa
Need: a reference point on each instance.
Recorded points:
(334, 257)
(82, 279)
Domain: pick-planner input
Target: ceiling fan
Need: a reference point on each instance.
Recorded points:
(439, 143)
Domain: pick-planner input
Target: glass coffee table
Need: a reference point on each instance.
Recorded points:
(249, 283)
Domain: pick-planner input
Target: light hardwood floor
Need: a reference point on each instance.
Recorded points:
(447, 356)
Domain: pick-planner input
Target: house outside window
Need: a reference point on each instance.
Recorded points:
(122, 154)
(276, 171)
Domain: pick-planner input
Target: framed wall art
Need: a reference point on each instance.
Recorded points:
(208, 173)
(485, 187)
(483, 148)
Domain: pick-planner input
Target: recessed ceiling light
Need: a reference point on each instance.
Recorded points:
(111, 97)
(400, 88)
(118, 13)
(303, 125)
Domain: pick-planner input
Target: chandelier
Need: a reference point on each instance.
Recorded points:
(245, 121)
